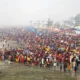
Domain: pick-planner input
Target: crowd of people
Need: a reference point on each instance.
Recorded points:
(43, 49)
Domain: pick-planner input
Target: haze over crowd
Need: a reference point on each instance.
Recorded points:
(20, 12)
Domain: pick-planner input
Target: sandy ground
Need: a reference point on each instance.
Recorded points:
(16, 71)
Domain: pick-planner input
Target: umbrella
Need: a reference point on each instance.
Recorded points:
(61, 49)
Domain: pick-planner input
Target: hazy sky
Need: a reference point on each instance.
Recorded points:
(20, 12)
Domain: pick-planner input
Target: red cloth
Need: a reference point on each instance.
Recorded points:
(22, 59)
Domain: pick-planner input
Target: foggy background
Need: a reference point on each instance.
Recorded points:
(20, 12)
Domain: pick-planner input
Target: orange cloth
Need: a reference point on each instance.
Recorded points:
(69, 66)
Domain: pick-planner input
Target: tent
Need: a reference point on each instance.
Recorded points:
(31, 29)
(77, 30)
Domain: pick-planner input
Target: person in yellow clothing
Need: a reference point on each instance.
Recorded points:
(48, 49)
(17, 58)
(28, 59)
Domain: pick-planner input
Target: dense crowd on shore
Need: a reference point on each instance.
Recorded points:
(44, 49)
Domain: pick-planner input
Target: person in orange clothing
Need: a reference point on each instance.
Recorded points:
(68, 66)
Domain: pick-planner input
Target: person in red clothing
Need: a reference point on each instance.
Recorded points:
(22, 59)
